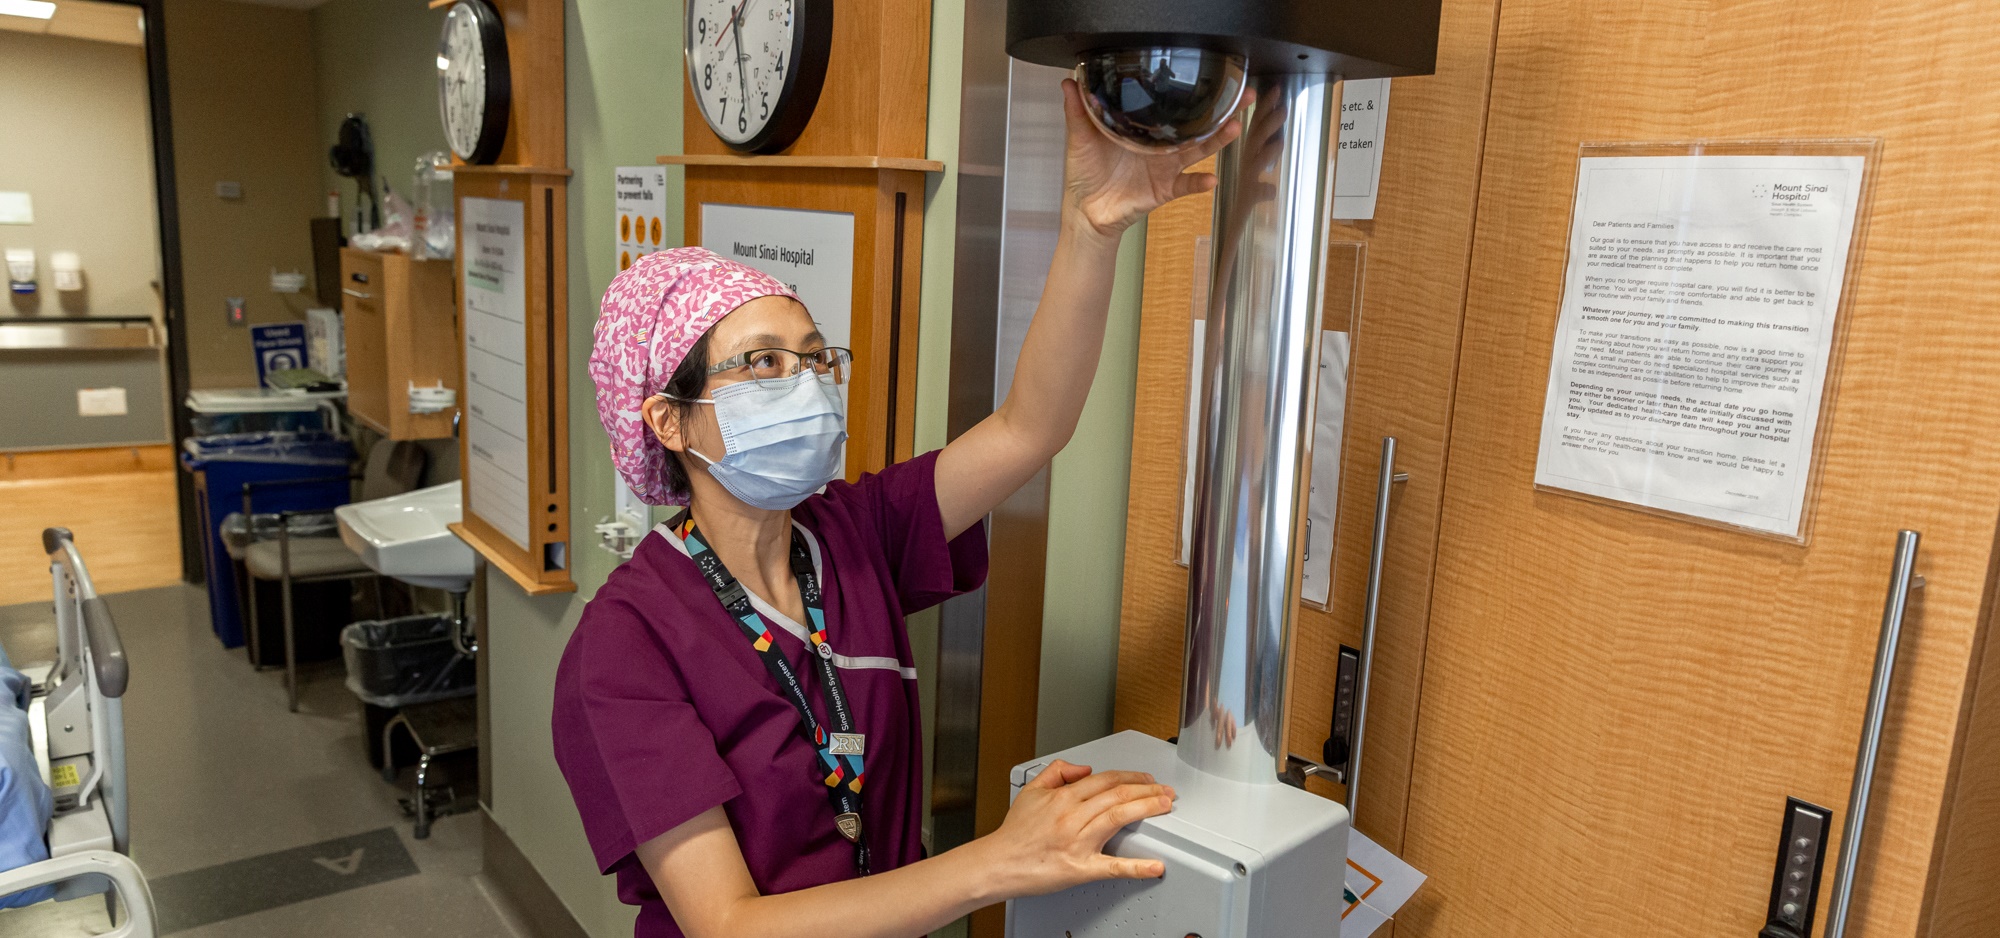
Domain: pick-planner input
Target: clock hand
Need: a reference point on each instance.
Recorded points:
(742, 74)
(734, 18)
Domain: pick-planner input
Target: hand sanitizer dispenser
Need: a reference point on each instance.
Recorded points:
(21, 270)
(1246, 855)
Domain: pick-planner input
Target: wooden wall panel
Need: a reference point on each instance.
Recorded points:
(1401, 385)
(882, 396)
(544, 194)
(876, 93)
(1616, 704)
(1964, 901)
(536, 129)
(1153, 610)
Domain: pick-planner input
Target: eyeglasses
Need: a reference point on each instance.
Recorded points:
(774, 365)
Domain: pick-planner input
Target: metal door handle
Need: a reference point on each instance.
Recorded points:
(1901, 580)
(357, 294)
(1385, 479)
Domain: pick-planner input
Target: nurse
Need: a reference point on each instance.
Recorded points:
(736, 712)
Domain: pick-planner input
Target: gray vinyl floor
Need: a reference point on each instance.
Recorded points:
(249, 820)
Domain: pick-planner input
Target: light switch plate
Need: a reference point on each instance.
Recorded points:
(233, 306)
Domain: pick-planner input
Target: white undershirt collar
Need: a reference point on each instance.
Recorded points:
(791, 625)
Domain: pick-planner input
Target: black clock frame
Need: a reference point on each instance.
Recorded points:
(812, 46)
(499, 83)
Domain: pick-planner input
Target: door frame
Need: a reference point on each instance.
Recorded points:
(173, 309)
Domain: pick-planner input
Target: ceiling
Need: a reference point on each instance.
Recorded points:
(85, 19)
(288, 4)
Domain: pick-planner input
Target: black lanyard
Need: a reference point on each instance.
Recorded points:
(838, 750)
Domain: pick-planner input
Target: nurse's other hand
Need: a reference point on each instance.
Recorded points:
(1109, 187)
(1054, 834)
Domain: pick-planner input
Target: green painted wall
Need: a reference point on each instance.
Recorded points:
(934, 338)
(624, 109)
(1086, 553)
(378, 58)
(623, 89)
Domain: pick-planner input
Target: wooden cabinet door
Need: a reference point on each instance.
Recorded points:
(364, 317)
(1616, 705)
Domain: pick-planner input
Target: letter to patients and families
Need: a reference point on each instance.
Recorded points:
(1696, 330)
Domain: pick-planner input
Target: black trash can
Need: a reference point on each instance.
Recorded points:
(394, 663)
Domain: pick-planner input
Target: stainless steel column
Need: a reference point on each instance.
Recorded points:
(1256, 436)
(1010, 153)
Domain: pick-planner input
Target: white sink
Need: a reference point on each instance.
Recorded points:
(404, 536)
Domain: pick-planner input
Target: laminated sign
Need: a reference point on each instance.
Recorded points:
(1378, 883)
(279, 347)
(640, 201)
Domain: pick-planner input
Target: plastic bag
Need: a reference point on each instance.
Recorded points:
(430, 188)
(237, 534)
(397, 221)
(305, 448)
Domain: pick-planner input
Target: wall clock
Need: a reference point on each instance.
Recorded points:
(756, 67)
(474, 91)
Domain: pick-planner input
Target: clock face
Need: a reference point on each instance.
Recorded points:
(756, 65)
(472, 81)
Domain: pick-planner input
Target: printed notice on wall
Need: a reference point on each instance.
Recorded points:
(496, 354)
(1323, 499)
(811, 252)
(639, 194)
(1357, 162)
(1696, 330)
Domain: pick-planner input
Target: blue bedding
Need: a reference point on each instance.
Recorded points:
(25, 802)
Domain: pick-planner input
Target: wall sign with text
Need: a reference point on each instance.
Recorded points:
(1700, 322)
(811, 252)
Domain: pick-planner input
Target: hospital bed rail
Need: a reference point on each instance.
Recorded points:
(78, 720)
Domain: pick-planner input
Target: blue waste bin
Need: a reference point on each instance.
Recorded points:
(223, 463)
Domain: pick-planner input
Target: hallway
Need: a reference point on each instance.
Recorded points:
(248, 820)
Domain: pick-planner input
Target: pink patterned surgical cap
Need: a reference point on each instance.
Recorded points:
(653, 314)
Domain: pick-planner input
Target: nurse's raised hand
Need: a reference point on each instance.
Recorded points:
(1106, 188)
(1054, 835)
(1111, 187)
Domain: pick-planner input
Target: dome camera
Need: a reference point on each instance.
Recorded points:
(1160, 99)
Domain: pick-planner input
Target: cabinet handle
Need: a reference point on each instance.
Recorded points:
(357, 294)
(1902, 580)
(1385, 480)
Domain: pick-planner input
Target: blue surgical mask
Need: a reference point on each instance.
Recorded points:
(782, 441)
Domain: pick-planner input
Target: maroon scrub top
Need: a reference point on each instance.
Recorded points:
(663, 710)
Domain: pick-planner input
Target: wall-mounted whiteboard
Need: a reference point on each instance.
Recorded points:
(494, 242)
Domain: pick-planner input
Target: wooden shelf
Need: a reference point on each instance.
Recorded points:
(804, 162)
(509, 169)
(503, 560)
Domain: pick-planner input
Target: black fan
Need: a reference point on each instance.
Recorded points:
(353, 156)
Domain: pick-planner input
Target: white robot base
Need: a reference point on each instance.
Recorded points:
(1243, 860)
